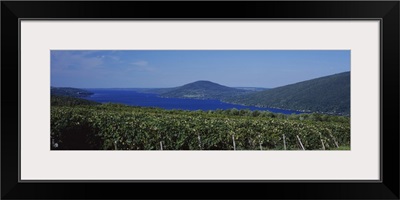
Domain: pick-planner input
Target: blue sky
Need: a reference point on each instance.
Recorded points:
(171, 68)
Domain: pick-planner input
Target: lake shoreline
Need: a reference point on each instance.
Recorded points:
(135, 98)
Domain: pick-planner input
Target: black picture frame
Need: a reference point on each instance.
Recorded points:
(386, 11)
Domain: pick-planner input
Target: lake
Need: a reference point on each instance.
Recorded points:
(134, 98)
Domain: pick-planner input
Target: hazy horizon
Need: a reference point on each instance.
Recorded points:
(173, 68)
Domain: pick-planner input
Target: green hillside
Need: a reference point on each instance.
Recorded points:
(204, 90)
(70, 101)
(68, 91)
(329, 94)
(120, 127)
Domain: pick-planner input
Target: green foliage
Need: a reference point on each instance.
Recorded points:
(70, 101)
(330, 94)
(114, 126)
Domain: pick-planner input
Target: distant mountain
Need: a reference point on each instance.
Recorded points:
(204, 90)
(68, 91)
(329, 94)
(256, 89)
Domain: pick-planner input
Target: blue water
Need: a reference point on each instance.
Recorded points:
(133, 98)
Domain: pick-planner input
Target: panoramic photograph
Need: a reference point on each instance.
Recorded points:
(223, 100)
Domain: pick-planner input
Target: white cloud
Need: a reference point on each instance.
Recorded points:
(65, 60)
(142, 65)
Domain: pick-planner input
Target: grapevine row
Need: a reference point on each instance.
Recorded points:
(117, 127)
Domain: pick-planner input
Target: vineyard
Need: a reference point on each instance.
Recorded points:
(119, 127)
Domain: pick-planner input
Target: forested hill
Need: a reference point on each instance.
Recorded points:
(57, 100)
(204, 90)
(68, 91)
(329, 94)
